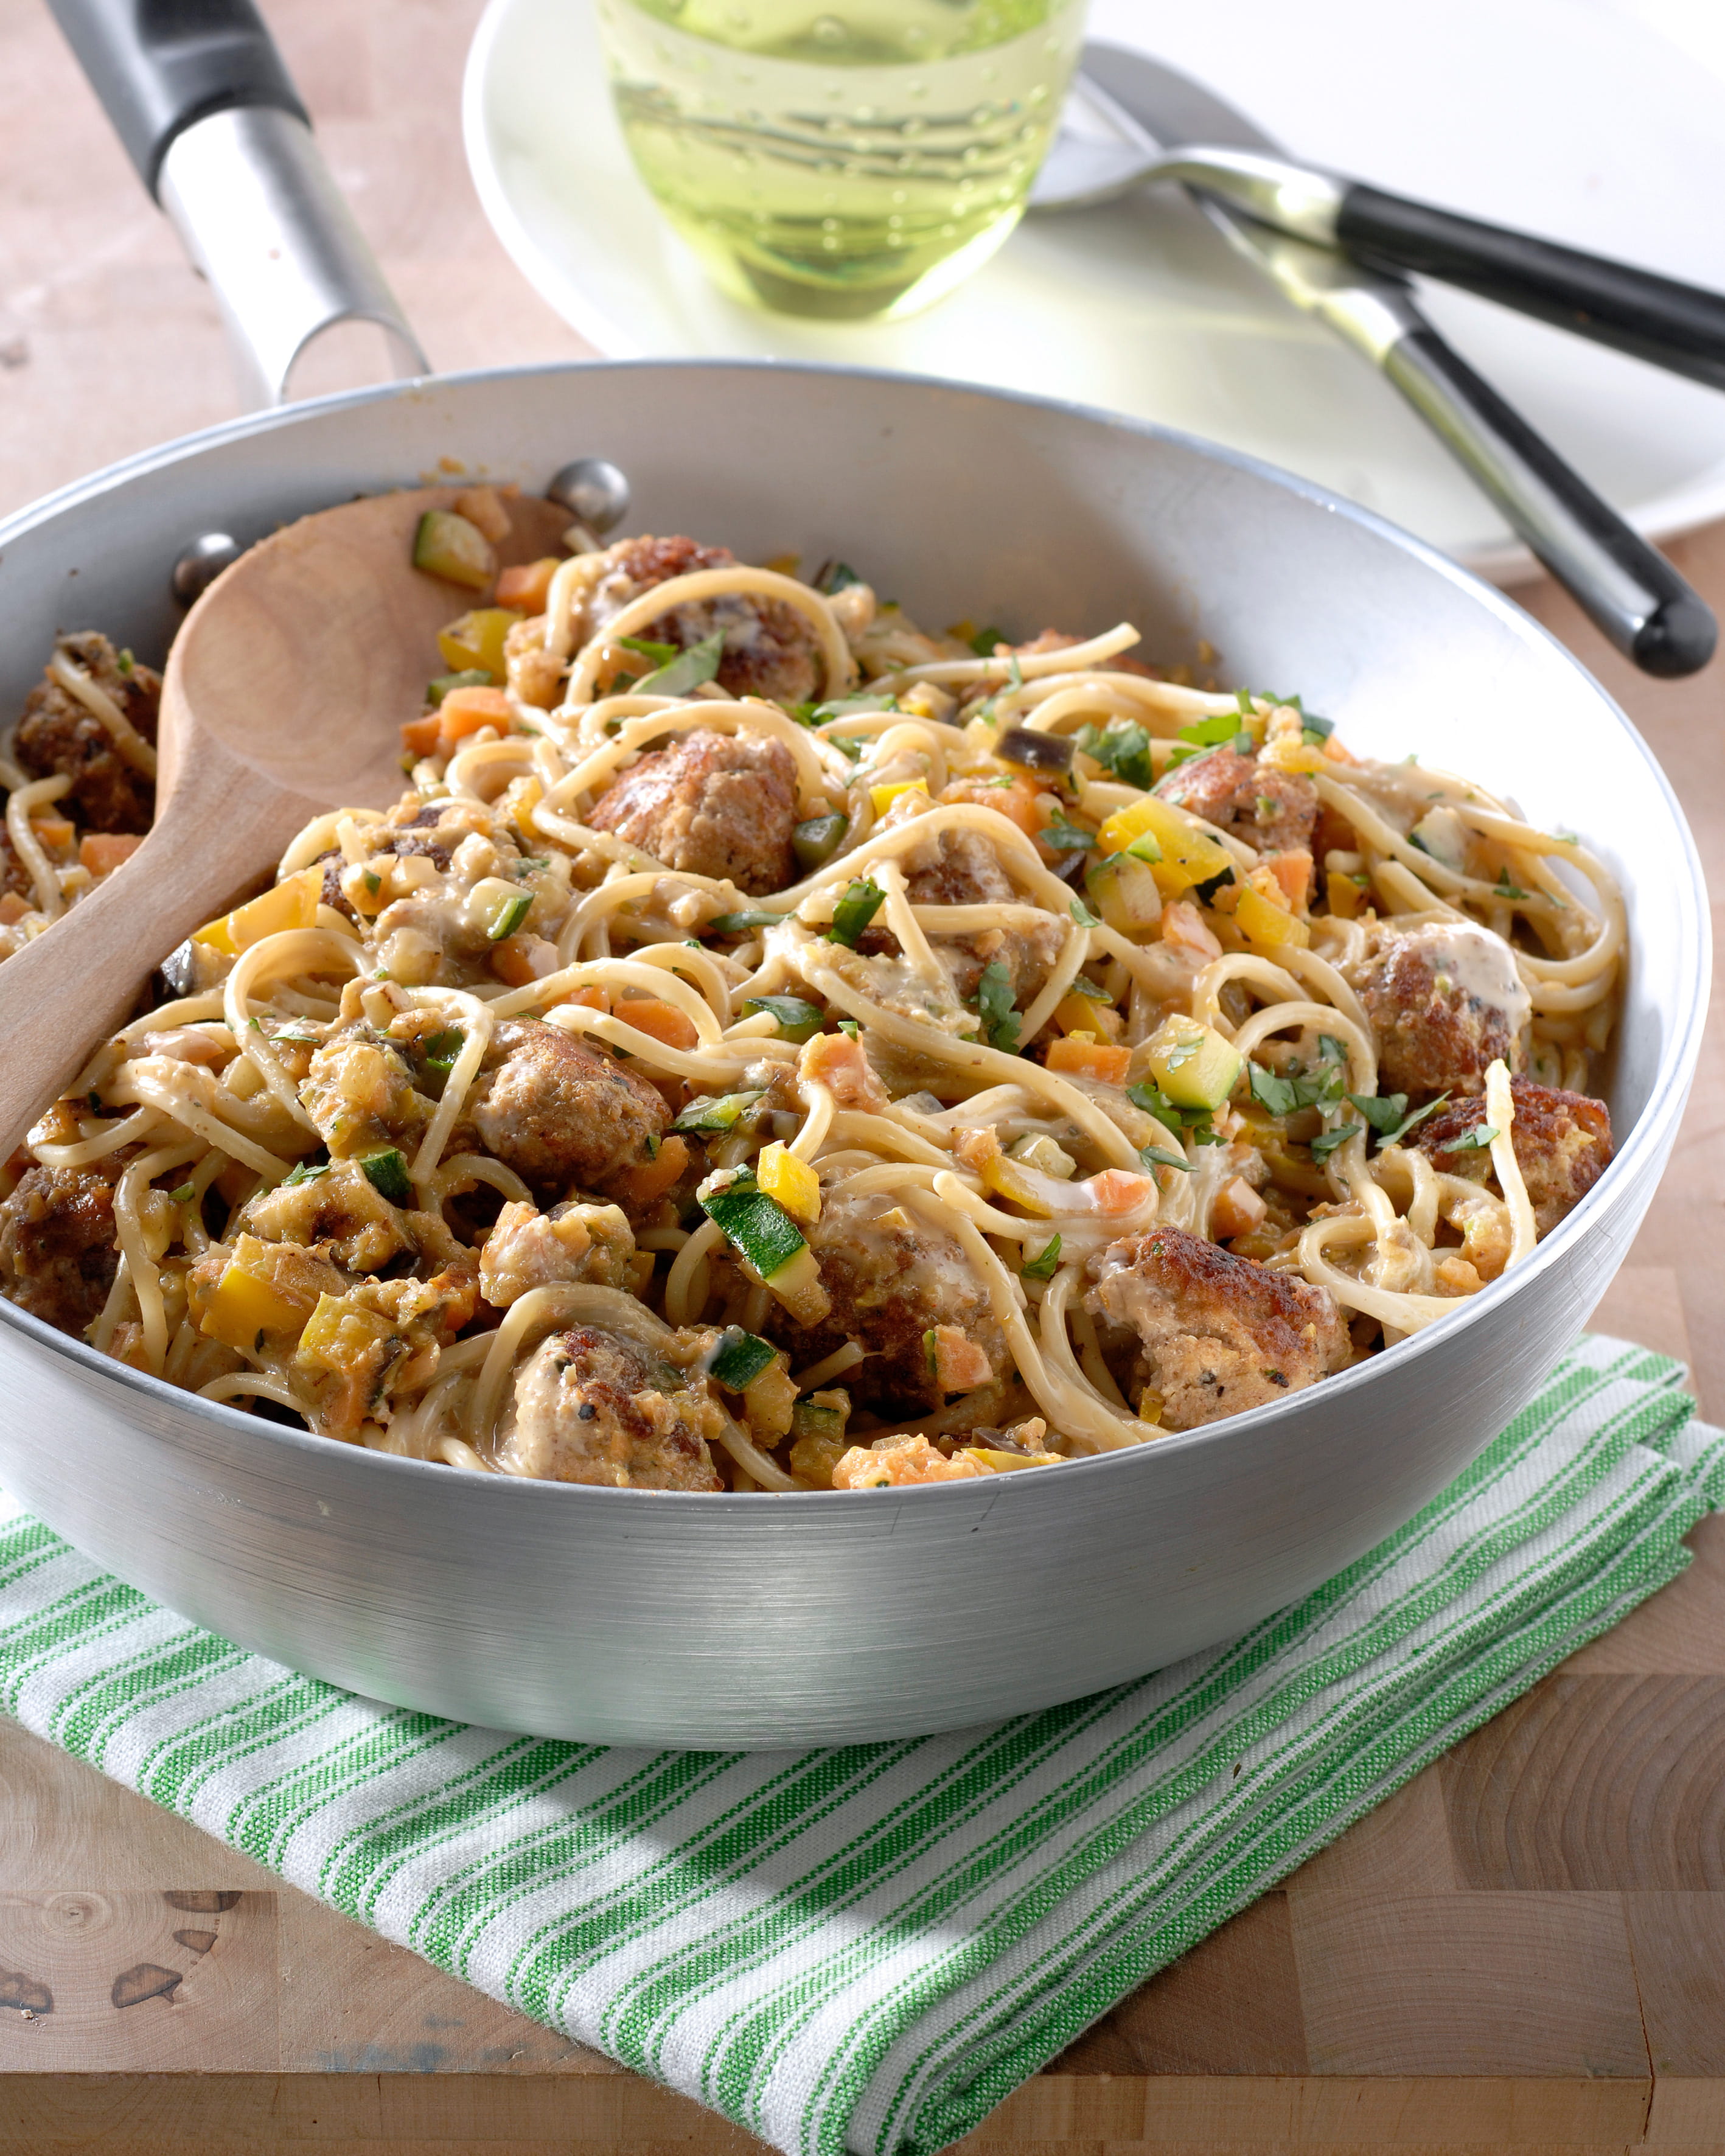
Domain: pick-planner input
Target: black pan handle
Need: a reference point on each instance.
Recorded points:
(160, 66)
(209, 115)
(1678, 326)
(1627, 586)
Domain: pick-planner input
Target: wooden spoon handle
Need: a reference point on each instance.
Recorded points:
(83, 977)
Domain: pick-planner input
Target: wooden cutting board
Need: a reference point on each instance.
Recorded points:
(1524, 1948)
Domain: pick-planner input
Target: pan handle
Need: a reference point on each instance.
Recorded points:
(209, 115)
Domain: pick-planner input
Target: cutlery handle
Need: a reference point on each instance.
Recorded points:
(208, 114)
(1623, 584)
(1675, 326)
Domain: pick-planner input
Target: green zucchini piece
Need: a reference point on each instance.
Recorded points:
(447, 546)
(510, 915)
(816, 840)
(386, 1172)
(716, 1111)
(739, 1358)
(756, 1226)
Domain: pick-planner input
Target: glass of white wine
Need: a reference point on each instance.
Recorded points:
(840, 158)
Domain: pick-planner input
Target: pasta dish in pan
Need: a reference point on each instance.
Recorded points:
(772, 1047)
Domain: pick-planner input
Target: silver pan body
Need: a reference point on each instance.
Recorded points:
(643, 1617)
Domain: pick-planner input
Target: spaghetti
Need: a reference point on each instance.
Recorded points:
(773, 1047)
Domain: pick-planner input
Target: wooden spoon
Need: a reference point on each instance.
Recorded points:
(283, 698)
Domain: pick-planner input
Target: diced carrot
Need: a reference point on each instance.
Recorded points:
(658, 1021)
(1019, 802)
(480, 505)
(465, 711)
(1292, 870)
(54, 832)
(101, 852)
(589, 998)
(1118, 1190)
(1238, 1210)
(12, 908)
(521, 959)
(420, 736)
(1089, 1059)
(529, 585)
(648, 1179)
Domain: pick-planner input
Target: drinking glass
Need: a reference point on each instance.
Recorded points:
(840, 158)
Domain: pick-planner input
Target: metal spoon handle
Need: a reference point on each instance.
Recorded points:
(1678, 326)
(1624, 584)
(208, 114)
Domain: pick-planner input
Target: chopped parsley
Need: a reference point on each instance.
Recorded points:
(1154, 1156)
(1121, 746)
(1083, 916)
(1474, 1141)
(1066, 838)
(1224, 727)
(1388, 1114)
(835, 577)
(687, 670)
(983, 642)
(305, 1171)
(1326, 1142)
(996, 1001)
(736, 924)
(796, 1019)
(1042, 1267)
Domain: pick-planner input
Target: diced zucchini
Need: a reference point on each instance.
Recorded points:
(1265, 925)
(1441, 833)
(386, 1172)
(1194, 1065)
(1124, 892)
(1188, 855)
(755, 1225)
(470, 677)
(816, 839)
(510, 914)
(474, 643)
(447, 545)
(739, 1358)
(862, 901)
(715, 1111)
(678, 676)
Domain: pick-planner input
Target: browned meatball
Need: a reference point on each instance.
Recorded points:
(591, 1407)
(711, 804)
(558, 1112)
(1217, 1333)
(58, 734)
(1562, 1144)
(893, 1279)
(57, 1254)
(967, 872)
(1276, 811)
(770, 649)
(1446, 1001)
(14, 876)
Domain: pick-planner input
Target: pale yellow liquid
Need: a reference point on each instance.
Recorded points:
(845, 161)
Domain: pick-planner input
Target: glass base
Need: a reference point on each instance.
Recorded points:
(762, 280)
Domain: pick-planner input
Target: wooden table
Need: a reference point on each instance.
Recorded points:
(1525, 1948)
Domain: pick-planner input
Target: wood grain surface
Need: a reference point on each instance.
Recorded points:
(1524, 1948)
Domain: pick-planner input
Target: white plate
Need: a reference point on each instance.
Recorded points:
(1566, 116)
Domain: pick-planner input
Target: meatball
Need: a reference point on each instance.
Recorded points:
(56, 733)
(57, 1254)
(1276, 811)
(593, 1406)
(713, 805)
(770, 650)
(527, 1248)
(14, 876)
(893, 1280)
(558, 1112)
(1562, 1144)
(965, 870)
(1446, 1001)
(1217, 1333)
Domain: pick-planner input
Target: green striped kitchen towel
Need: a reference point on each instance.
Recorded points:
(867, 1947)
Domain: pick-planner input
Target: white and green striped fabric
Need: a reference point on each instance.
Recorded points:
(867, 1947)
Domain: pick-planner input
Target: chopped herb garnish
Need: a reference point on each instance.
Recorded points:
(995, 999)
(510, 914)
(735, 924)
(698, 663)
(1387, 1114)
(1505, 888)
(306, 1171)
(1224, 727)
(1270, 1091)
(795, 1019)
(1476, 1140)
(1083, 916)
(442, 1050)
(849, 1025)
(983, 642)
(847, 745)
(1326, 1142)
(835, 577)
(1044, 1265)
(661, 654)
(1015, 673)
(374, 883)
(1066, 838)
(184, 1195)
(125, 663)
(1122, 747)
(1182, 1052)
(1154, 1156)
(853, 912)
(386, 1172)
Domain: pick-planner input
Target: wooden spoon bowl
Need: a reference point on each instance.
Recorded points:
(284, 696)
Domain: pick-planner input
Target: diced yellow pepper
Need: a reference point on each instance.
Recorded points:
(882, 796)
(1192, 1064)
(1002, 1463)
(521, 809)
(793, 1182)
(1265, 925)
(1346, 893)
(290, 904)
(476, 640)
(243, 1307)
(1189, 855)
(337, 1337)
(1077, 1013)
